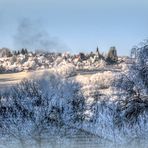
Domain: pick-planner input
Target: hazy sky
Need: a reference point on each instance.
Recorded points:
(76, 25)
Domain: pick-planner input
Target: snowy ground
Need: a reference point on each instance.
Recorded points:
(13, 78)
(9, 79)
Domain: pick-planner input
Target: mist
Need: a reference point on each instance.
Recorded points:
(32, 35)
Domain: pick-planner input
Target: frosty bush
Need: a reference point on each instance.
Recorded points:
(66, 70)
(104, 80)
(2, 69)
(38, 108)
(13, 59)
(102, 64)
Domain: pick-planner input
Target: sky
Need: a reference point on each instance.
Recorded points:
(73, 25)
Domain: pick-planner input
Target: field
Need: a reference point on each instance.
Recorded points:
(7, 79)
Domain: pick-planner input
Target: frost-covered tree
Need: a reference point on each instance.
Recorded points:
(141, 65)
(134, 86)
(13, 59)
(37, 109)
(138, 72)
(5, 52)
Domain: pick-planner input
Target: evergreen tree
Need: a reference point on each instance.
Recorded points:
(26, 51)
(23, 51)
(15, 52)
(112, 55)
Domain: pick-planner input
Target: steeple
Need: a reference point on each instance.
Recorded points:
(97, 51)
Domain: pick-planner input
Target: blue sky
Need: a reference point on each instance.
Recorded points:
(76, 25)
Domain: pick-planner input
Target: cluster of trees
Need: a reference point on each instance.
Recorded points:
(5, 52)
(22, 51)
(137, 77)
(40, 108)
(134, 86)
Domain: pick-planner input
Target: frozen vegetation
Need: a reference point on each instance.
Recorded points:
(110, 107)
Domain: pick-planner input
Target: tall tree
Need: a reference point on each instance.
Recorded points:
(112, 55)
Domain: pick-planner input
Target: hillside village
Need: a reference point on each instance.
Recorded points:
(25, 60)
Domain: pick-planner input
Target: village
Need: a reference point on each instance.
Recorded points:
(24, 60)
